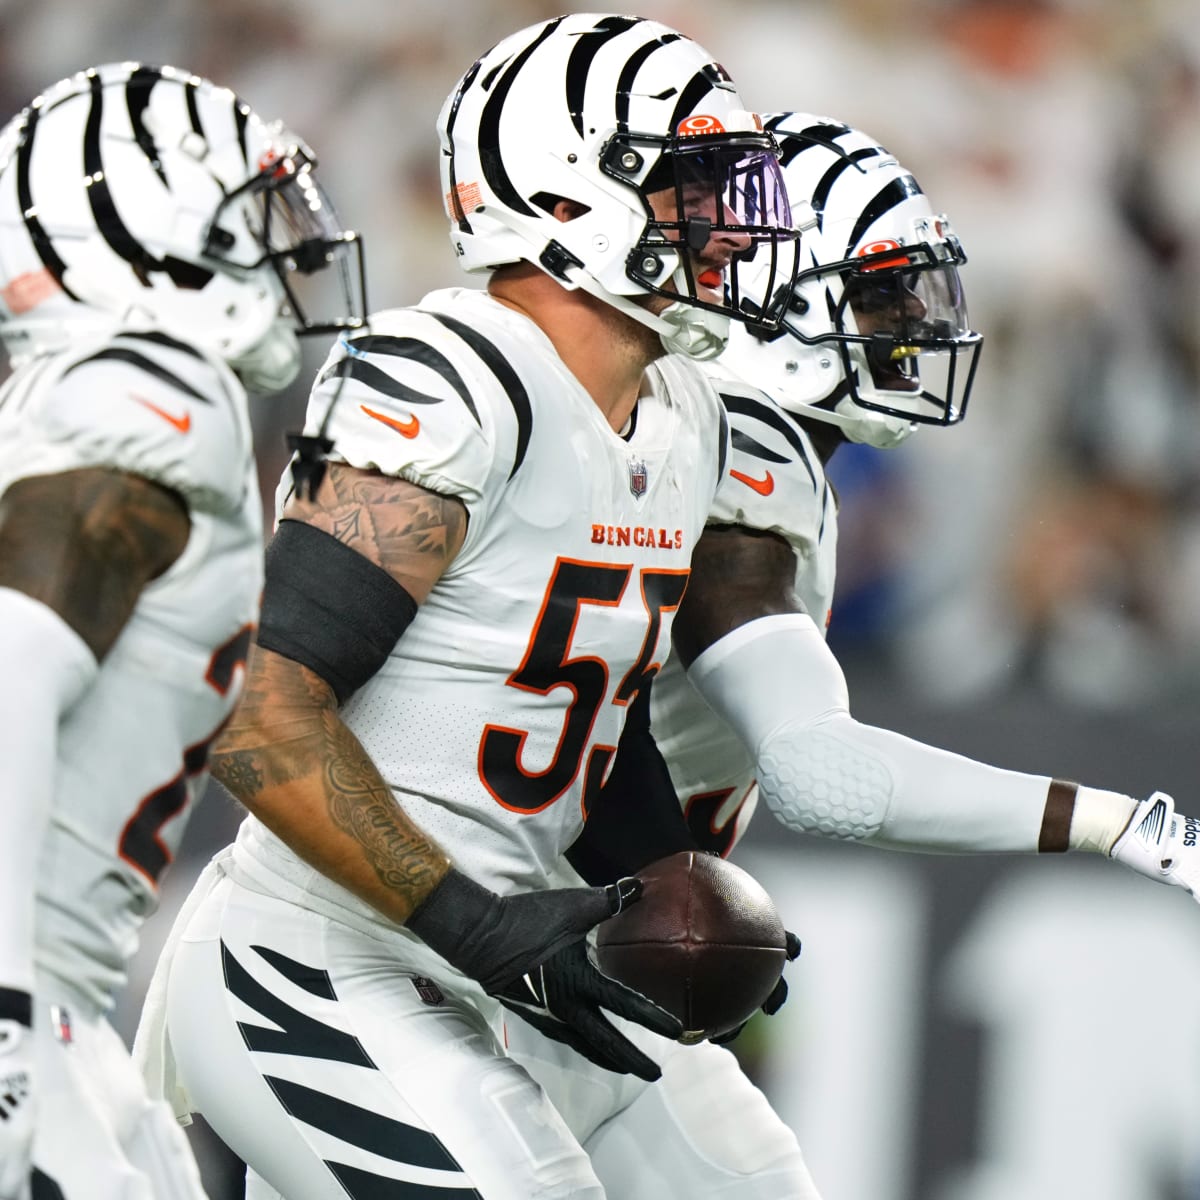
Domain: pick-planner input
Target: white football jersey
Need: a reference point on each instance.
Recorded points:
(498, 712)
(775, 482)
(131, 753)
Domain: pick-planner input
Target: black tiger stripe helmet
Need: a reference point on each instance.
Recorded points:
(875, 338)
(673, 186)
(134, 195)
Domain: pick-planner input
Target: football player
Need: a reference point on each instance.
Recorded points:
(875, 343)
(456, 619)
(155, 239)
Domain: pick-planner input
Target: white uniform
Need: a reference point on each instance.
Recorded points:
(775, 482)
(332, 1051)
(703, 1129)
(132, 752)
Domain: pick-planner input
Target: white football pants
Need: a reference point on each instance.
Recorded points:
(336, 1064)
(98, 1136)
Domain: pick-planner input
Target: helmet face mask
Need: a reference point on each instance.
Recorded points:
(712, 204)
(134, 196)
(669, 178)
(294, 232)
(875, 337)
(900, 326)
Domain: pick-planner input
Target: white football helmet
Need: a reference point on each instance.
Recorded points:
(133, 195)
(608, 111)
(875, 337)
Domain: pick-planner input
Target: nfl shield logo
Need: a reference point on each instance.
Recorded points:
(637, 478)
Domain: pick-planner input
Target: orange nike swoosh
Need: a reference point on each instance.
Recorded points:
(183, 424)
(764, 487)
(408, 429)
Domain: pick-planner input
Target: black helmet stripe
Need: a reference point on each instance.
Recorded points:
(629, 73)
(489, 128)
(137, 99)
(41, 241)
(193, 109)
(241, 115)
(108, 220)
(689, 99)
(894, 194)
(580, 61)
(452, 198)
(822, 190)
(794, 144)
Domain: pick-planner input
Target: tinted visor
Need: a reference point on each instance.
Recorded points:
(718, 202)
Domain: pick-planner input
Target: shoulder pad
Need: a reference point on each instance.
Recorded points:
(425, 397)
(774, 479)
(147, 404)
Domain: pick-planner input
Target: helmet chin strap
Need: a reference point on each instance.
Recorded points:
(861, 425)
(698, 333)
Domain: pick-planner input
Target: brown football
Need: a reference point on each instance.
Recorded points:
(705, 942)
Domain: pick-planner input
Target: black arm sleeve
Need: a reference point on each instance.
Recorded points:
(328, 608)
(636, 819)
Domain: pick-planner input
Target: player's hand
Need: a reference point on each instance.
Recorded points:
(774, 1002)
(16, 1109)
(1162, 844)
(530, 952)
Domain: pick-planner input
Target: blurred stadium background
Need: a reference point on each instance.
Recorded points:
(1022, 588)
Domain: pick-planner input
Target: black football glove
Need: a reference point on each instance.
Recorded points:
(530, 952)
(774, 1002)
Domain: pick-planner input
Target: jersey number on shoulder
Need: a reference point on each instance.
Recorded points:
(141, 844)
(547, 664)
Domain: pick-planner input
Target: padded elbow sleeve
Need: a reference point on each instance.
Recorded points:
(820, 771)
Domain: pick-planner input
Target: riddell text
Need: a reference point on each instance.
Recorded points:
(637, 535)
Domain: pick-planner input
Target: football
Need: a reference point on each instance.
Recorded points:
(705, 942)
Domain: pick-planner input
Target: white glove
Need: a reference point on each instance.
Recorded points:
(16, 1109)
(1161, 844)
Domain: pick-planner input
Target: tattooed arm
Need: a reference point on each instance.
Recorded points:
(76, 549)
(85, 543)
(288, 757)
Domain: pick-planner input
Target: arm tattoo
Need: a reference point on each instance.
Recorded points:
(287, 756)
(362, 805)
(85, 543)
(738, 575)
(409, 531)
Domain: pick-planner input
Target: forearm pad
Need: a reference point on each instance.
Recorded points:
(822, 772)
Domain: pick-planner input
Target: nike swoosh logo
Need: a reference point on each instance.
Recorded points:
(408, 429)
(764, 487)
(183, 424)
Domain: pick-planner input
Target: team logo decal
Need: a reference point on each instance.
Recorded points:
(60, 1023)
(637, 477)
(699, 124)
(882, 247)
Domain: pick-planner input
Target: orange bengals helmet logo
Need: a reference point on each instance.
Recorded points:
(882, 247)
(694, 126)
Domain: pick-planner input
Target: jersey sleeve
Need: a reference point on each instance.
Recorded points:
(145, 404)
(773, 479)
(412, 400)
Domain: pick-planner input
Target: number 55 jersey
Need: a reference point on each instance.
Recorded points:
(497, 714)
(132, 752)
